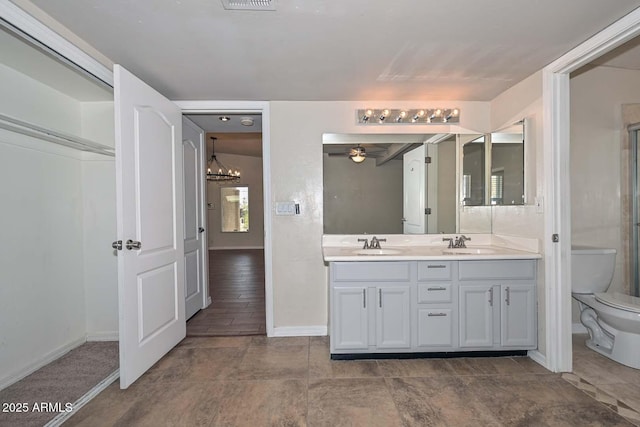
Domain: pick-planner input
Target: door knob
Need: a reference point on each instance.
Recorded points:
(132, 244)
(117, 245)
(200, 230)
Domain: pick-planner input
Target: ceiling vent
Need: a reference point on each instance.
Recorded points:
(249, 4)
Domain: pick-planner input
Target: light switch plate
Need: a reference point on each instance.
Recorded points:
(285, 208)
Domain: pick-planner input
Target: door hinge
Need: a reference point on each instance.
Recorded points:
(427, 159)
(555, 238)
(427, 211)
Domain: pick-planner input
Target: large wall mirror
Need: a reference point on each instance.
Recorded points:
(422, 183)
(493, 168)
(391, 184)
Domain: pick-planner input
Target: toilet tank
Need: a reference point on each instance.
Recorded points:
(591, 269)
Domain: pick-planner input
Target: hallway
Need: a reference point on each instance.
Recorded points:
(236, 287)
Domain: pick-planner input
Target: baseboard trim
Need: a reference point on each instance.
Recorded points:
(86, 398)
(538, 357)
(578, 328)
(39, 363)
(226, 248)
(300, 331)
(103, 336)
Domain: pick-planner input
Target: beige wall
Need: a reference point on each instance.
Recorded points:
(362, 198)
(597, 158)
(251, 173)
(299, 273)
(524, 101)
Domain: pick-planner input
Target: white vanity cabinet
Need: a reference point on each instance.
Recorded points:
(436, 306)
(497, 304)
(371, 305)
(432, 306)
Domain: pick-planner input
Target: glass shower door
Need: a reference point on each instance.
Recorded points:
(634, 139)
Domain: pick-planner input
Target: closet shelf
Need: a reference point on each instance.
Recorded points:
(60, 138)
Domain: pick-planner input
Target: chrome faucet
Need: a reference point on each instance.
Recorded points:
(375, 243)
(459, 243)
(366, 243)
(450, 239)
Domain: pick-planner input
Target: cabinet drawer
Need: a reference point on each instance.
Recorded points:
(434, 270)
(512, 269)
(434, 292)
(371, 271)
(435, 328)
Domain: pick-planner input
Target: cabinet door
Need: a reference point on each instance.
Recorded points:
(349, 321)
(476, 315)
(393, 317)
(435, 327)
(518, 320)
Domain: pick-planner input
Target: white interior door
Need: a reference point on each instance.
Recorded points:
(413, 189)
(195, 237)
(149, 193)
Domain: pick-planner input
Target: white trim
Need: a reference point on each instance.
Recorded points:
(300, 331)
(537, 357)
(40, 362)
(226, 248)
(84, 399)
(261, 107)
(578, 328)
(103, 336)
(54, 41)
(556, 97)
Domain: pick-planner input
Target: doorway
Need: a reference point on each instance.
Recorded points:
(235, 225)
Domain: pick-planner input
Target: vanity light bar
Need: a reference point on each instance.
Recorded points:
(385, 116)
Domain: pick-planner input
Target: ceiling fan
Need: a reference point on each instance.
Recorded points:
(357, 153)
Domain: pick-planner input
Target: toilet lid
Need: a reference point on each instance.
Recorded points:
(618, 300)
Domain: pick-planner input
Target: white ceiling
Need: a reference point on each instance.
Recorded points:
(335, 50)
(212, 122)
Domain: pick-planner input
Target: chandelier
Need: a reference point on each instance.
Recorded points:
(216, 171)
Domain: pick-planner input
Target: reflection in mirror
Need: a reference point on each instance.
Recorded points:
(473, 170)
(493, 168)
(393, 190)
(507, 166)
(234, 204)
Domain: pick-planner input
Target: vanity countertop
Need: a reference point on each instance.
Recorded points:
(421, 248)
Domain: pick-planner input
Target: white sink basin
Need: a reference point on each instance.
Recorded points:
(376, 251)
(469, 251)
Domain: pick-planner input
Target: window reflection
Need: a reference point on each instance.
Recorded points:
(234, 202)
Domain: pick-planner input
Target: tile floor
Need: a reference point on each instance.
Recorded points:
(612, 383)
(236, 286)
(259, 381)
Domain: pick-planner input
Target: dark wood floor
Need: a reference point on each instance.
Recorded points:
(236, 286)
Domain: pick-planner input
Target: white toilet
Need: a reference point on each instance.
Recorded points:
(612, 319)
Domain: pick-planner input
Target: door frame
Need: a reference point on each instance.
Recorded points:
(250, 107)
(556, 156)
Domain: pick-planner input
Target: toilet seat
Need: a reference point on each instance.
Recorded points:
(618, 300)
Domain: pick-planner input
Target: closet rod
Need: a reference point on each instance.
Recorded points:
(29, 129)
